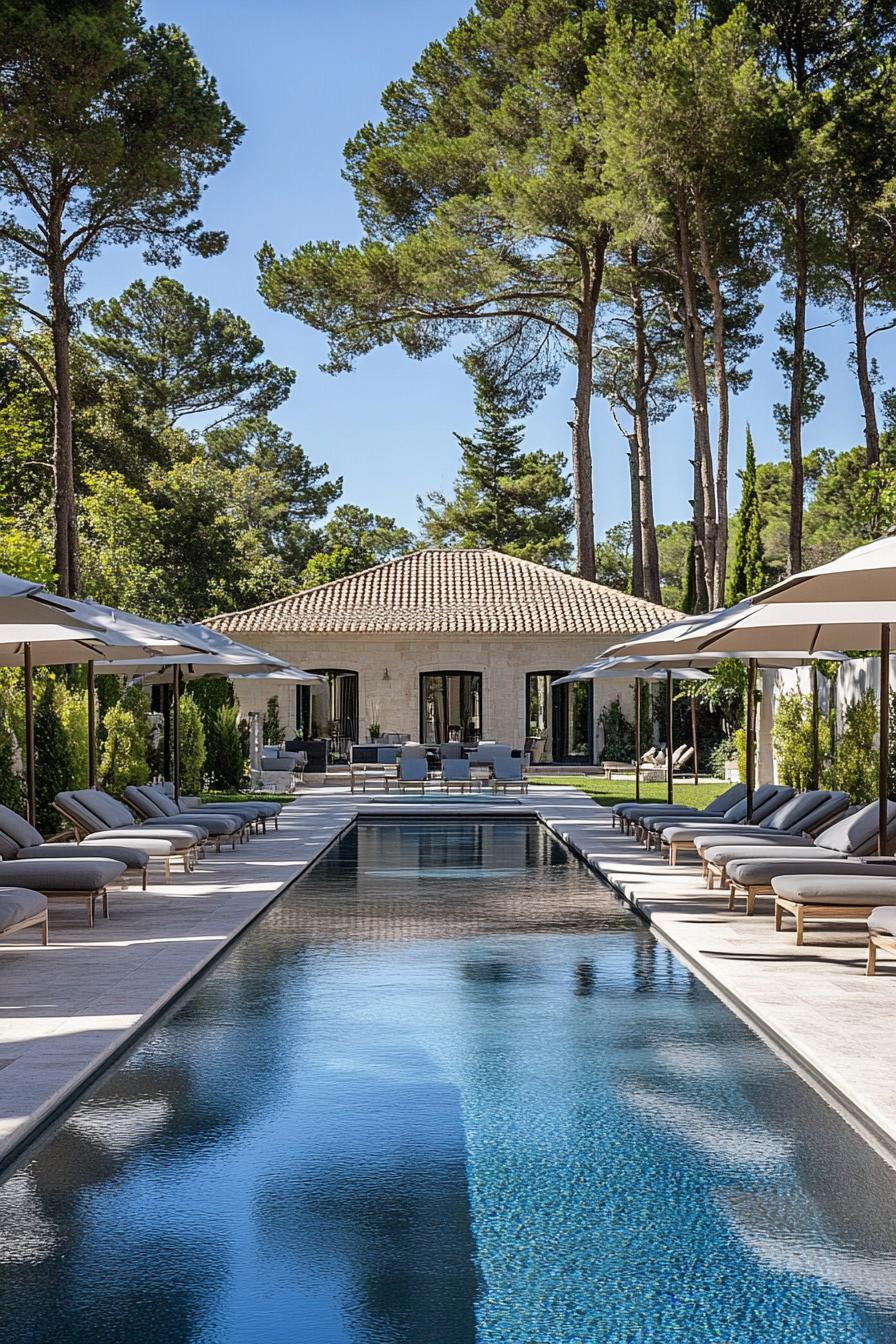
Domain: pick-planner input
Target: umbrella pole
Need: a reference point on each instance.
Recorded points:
(637, 739)
(30, 773)
(670, 786)
(176, 718)
(751, 734)
(694, 738)
(883, 782)
(816, 764)
(91, 725)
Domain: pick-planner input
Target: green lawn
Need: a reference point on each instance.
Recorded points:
(248, 797)
(610, 791)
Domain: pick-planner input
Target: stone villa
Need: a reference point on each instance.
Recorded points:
(442, 645)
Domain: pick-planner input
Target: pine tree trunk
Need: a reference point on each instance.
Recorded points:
(710, 276)
(637, 535)
(592, 267)
(704, 502)
(866, 389)
(797, 385)
(67, 557)
(583, 490)
(643, 522)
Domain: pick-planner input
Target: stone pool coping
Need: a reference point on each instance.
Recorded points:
(68, 1010)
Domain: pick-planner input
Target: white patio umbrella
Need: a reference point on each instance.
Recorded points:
(609, 668)
(849, 603)
(153, 636)
(725, 633)
(222, 657)
(35, 631)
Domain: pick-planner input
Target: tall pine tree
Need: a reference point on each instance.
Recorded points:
(503, 498)
(748, 573)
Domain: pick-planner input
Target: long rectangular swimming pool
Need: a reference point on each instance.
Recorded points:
(449, 1089)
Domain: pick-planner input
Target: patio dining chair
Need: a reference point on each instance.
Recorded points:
(456, 773)
(412, 773)
(508, 772)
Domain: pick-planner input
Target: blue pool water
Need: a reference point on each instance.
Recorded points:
(449, 1090)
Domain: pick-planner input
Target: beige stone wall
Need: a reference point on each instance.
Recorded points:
(394, 699)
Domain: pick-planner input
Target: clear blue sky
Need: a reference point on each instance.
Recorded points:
(303, 78)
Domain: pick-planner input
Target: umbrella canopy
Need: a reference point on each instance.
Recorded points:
(620, 668)
(156, 636)
(868, 572)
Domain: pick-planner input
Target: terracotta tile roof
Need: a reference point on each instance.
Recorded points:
(453, 591)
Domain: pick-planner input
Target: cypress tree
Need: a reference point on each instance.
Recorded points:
(748, 573)
(54, 767)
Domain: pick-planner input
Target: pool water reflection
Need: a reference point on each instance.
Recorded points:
(449, 1090)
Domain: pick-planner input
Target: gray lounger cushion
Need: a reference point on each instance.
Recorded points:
(857, 833)
(15, 832)
(714, 809)
(167, 807)
(60, 874)
(60, 849)
(784, 846)
(761, 872)
(883, 920)
(835, 890)
(765, 800)
(18, 903)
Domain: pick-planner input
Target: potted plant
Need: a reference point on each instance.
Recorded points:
(373, 731)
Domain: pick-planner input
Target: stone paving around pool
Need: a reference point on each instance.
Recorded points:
(65, 1009)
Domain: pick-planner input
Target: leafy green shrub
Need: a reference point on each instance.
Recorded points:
(12, 786)
(739, 739)
(856, 760)
(73, 709)
(124, 759)
(722, 753)
(53, 757)
(273, 730)
(192, 745)
(792, 739)
(619, 733)
(224, 750)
